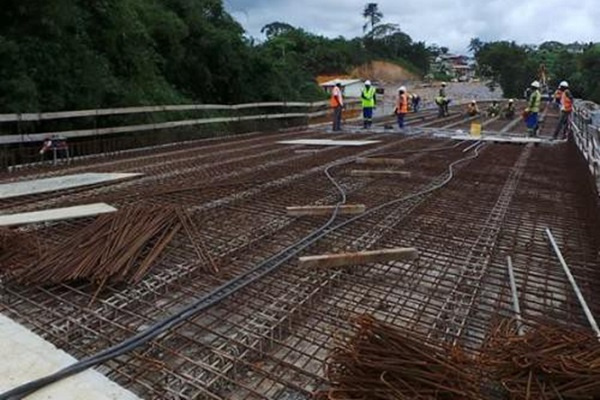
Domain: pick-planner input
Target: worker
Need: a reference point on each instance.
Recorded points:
(494, 109)
(401, 106)
(442, 102)
(337, 104)
(416, 101)
(509, 110)
(566, 109)
(557, 97)
(533, 109)
(472, 109)
(368, 104)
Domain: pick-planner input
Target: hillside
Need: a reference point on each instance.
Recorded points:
(383, 71)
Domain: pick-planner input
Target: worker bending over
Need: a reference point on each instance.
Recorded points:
(566, 109)
(337, 104)
(401, 106)
(442, 102)
(494, 109)
(509, 111)
(533, 109)
(416, 101)
(368, 104)
(472, 109)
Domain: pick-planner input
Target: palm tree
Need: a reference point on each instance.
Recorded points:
(372, 14)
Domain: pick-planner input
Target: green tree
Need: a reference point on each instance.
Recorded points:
(276, 28)
(372, 14)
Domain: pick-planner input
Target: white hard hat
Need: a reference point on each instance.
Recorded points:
(402, 89)
(368, 83)
(443, 83)
(564, 84)
(511, 101)
(473, 102)
(535, 84)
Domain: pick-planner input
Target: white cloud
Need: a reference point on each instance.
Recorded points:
(447, 23)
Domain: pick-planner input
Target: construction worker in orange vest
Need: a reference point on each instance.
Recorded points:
(401, 106)
(557, 97)
(337, 104)
(566, 109)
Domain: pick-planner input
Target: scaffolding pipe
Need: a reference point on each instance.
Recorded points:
(515, 296)
(571, 278)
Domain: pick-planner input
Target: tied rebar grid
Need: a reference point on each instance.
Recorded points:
(283, 336)
(457, 307)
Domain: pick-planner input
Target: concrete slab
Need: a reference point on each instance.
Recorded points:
(25, 188)
(56, 214)
(26, 356)
(329, 142)
(506, 139)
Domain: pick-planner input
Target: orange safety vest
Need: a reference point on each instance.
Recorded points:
(566, 102)
(336, 97)
(402, 105)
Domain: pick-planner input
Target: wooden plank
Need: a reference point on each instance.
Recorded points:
(381, 172)
(346, 209)
(380, 161)
(65, 182)
(363, 257)
(56, 214)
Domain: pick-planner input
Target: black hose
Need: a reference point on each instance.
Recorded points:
(221, 292)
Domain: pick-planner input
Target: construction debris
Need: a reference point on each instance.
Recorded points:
(364, 257)
(384, 362)
(346, 209)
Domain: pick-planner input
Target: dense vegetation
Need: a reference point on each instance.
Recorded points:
(73, 54)
(514, 66)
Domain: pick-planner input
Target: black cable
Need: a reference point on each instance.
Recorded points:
(223, 291)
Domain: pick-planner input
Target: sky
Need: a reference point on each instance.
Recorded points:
(450, 23)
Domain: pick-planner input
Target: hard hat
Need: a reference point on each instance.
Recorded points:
(535, 84)
(402, 89)
(473, 102)
(511, 101)
(367, 83)
(564, 84)
(443, 83)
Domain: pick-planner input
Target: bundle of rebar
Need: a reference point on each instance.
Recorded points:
(18, 249)
(549, 361)
(383, 362)
(118, 247)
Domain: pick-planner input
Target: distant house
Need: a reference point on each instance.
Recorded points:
(458, 66)
(350, 87)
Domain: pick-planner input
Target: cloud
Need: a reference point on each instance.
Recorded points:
(447, 23)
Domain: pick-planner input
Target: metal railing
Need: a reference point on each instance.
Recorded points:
(110, 131)
(586, 136)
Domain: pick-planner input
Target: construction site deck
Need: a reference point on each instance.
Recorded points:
(269, 323)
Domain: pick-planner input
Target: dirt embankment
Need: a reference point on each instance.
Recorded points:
(384, 72)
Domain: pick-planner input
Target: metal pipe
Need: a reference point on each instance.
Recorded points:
(471, 146)
(515, 296)
(582, 301)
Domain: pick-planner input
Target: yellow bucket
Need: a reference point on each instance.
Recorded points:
(476, 129)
